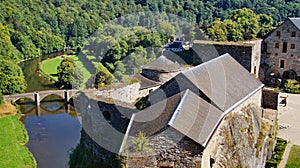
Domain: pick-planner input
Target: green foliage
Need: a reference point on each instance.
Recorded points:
(294, 157)
(13, 136)
(37, 27)
(11, 78)
(141, 143)
(292, 87)
(65, 73)
(1, 99)
(103, 80)
(7, 49)
(277, 153)
(241, 24)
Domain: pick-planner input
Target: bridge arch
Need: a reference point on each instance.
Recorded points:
(47, 95)
(37, 97)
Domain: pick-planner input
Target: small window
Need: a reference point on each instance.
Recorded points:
(276, 54)
(293, 46)
(293, 34)
(292, 55)
(281, 64)
(284, 47)
(276, 45)
(278, 33)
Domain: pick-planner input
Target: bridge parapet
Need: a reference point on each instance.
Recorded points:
(37, 97)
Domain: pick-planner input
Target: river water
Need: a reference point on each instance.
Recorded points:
(53, 127)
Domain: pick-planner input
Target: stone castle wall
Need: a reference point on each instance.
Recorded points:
(247, 53)
(242, 138)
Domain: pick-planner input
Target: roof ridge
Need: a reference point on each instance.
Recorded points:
(293, 19)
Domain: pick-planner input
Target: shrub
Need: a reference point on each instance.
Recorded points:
(141, 143)
(277, 153)
(276, 89)
(292, 87)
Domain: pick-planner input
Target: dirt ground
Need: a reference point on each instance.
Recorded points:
(7, 109)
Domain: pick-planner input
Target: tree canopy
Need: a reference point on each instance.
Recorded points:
(242, 24)
(11, 78)
(68, 75)
(29, 28)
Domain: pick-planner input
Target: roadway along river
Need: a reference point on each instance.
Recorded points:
(53, 128)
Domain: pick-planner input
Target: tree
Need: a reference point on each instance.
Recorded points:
(102, 80)
(11, 78)
(1, 99)
(78, 77)
(247, 22)
(65, 72)
(141, 143)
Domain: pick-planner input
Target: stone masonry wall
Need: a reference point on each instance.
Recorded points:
(169, 148)
(128, 93)
(273, 55)
(242, 138)
(247, 53)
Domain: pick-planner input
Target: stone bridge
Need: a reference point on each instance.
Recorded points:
(37, 97)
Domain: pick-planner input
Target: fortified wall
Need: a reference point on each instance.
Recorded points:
(247, 53)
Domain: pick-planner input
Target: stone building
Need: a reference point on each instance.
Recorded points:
(281, 50)
(247, 53)
(185, 113)
(190, 121)
(162, 69)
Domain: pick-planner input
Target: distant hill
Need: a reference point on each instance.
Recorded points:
(33, 27)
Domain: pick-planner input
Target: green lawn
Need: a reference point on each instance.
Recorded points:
(294, 157)
(50, 67)
(13, 136)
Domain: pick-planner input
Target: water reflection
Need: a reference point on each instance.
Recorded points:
(54, 130)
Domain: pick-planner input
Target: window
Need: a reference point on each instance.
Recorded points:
(293, 46)
(293, 34)
(276, 45)
(284, 47)
(278, 33)
(292, 55)
(281, 63)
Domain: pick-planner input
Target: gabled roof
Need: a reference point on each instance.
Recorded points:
(145, 82)
(223, 80)
(163, 64)
(296, 22)
(195, 118)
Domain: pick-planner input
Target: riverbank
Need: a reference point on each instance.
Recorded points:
(48, 68)
(13, 138)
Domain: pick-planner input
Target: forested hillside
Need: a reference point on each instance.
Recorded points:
(33, 27)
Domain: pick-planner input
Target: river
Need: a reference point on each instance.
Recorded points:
(53, 128)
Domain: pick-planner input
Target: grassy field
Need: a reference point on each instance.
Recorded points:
(13, 137)
(294, 157)
(50, 67)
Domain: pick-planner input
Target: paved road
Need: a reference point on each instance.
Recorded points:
(289, 118)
